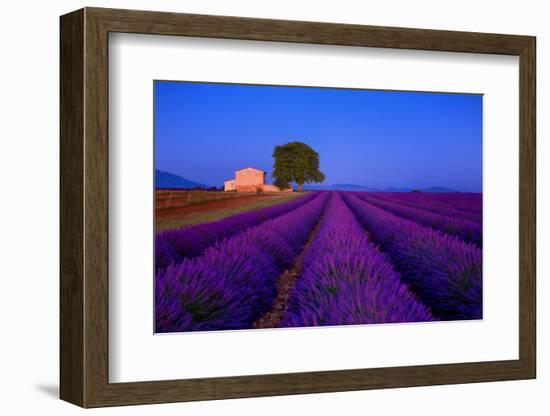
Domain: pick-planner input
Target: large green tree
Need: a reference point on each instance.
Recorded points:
(296, 162)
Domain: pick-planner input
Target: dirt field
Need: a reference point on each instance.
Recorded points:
(179, 215)
(172, 198)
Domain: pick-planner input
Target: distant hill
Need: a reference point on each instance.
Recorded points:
(393, 189)
(438, 189)
(352, 187)
(169, 180)
(362, 188)
(339, 187)
(432, 189)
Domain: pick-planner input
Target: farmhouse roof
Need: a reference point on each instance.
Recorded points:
(250, 168)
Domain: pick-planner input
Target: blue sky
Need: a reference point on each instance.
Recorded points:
(205, 132)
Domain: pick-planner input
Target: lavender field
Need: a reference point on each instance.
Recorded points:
(324, 258)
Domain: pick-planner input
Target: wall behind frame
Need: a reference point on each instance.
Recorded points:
(29, 168)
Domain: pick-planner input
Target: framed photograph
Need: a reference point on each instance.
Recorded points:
(255, 207)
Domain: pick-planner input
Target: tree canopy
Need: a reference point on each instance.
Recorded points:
(296, 162)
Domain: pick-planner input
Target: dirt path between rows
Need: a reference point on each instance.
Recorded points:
(285, 283)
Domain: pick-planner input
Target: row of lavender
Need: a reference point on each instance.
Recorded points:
(422, 273)
(173, 246)
(233, 282)
(442, 269)
(347, 280)
(461, 202)
(438, 203)
(467, 230)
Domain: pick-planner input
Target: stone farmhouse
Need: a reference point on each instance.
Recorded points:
(251, 180)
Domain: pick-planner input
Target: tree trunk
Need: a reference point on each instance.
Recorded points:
(299, 187)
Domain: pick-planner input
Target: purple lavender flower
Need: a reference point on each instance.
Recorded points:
(234, 282)
(444, 271)
(347, 280)
(444, 205)
(467, 230)
(172, 246)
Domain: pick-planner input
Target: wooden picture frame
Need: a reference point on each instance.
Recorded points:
(84, 207)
